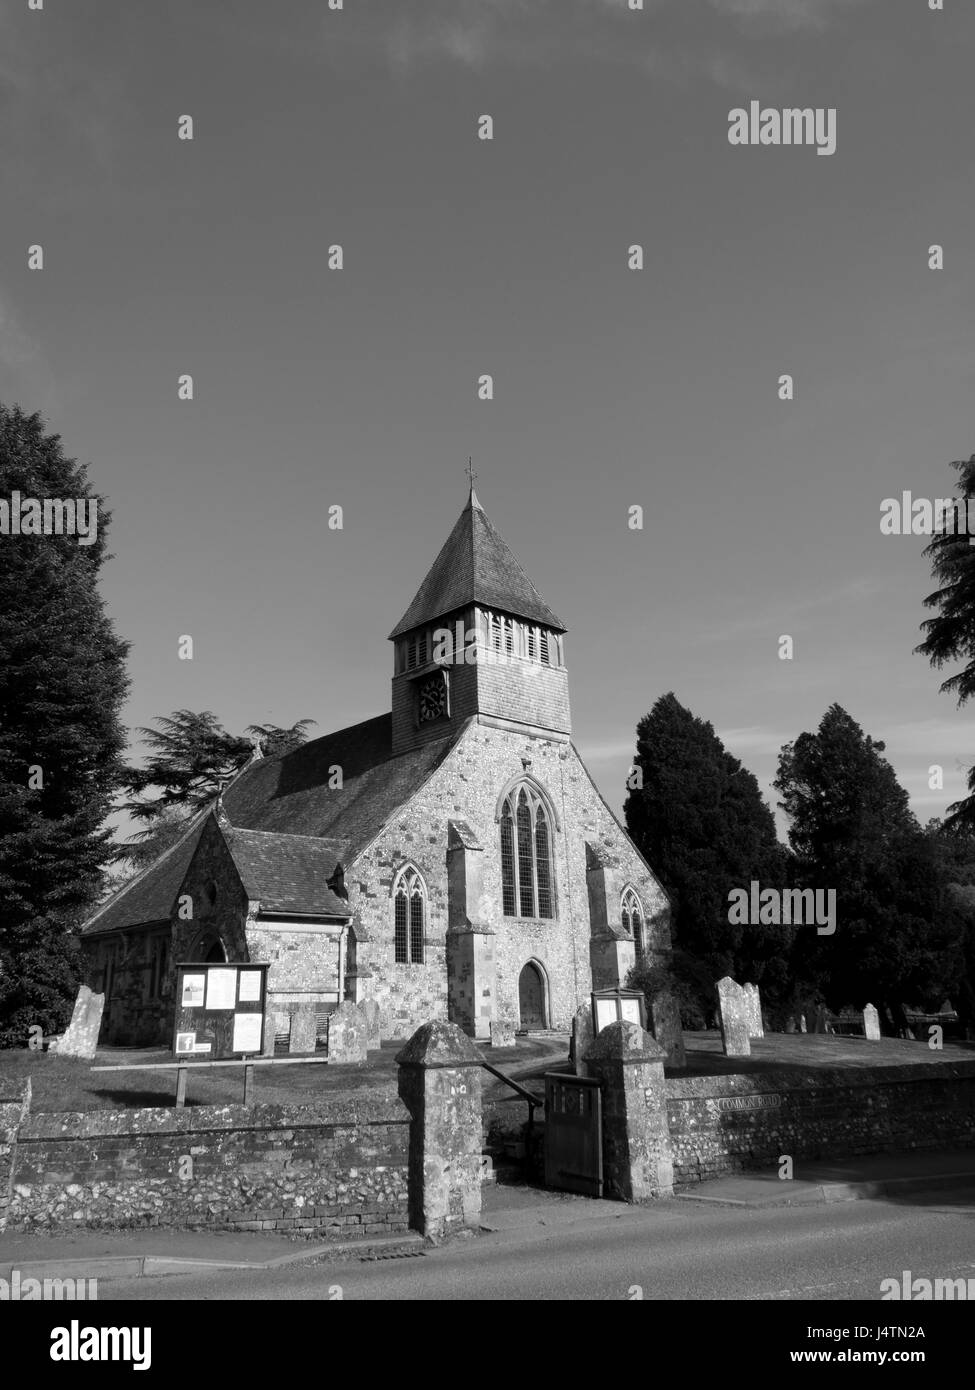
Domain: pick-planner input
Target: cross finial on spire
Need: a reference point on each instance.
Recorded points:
(471, 476)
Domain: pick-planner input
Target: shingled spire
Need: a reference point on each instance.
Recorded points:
(475, 566)
(478, 641)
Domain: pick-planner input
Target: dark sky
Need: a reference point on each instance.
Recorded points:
(612, 387)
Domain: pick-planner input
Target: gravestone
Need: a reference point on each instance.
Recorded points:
(753, 1007)
(734, 1022)
(790, 1024)
(667, 1029)
(370, 1009)
(502, 1032)
(871, 1024)
(348, 1038)
(802, 1023)
(304, 1028)
(81, 1036)
(582, 1039)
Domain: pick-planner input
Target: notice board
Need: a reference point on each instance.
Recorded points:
(221, 1010)
(618, 1006)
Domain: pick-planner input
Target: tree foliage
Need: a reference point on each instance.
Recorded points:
(700, 821)
(950, 635)
(62, 683)
(851, 831)
(191, 758)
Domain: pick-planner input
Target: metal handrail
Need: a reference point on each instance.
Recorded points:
(533, 1101)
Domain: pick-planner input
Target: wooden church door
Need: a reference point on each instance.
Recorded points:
(531, 998)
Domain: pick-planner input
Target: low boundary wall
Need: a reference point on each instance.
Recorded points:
(727, 1124)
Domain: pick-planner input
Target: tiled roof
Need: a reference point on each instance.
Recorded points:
(149, 896)
(290, 793)
(307, 826)
(288, 873)
(476, 566)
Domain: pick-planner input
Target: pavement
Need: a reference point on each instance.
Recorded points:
(126, 1255)
(877, 1175)
(147, 1254)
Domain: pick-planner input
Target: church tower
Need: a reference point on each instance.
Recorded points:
(477, 640)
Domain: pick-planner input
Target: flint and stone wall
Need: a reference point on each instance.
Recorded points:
(364, 1165)
(336, 1169)
(728, 1124)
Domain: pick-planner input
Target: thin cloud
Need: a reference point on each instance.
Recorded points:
(477, 32)
(780, 614)
(85, 111)
(931, 738)
(18, 349)
(786, 14)
(752, 739)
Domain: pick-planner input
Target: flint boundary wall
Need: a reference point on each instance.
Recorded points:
(367, 1165)
(339, 1169)
(721, 1125)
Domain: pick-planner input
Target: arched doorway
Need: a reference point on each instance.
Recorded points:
(531, 998)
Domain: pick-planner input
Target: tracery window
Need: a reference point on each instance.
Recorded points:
(409, 917)
(631, 915)
(526, 855)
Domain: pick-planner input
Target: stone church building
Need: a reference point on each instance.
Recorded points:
(452, 859)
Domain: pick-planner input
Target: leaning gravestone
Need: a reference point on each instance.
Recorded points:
(753, 1006)
(871, 1024)
(734, 1021)
(304, 1028)
(582, 1039)
(370, 1009)
(81, 1036)
(348, 1034)
(667, 1029)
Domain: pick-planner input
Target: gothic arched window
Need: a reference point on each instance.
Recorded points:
(526, 855)
(409, 917)
(631, 915)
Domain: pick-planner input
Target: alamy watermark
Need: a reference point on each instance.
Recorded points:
(774, 907)
(50, 516)
(17, 1289)
(927, 1290)
(925, 516)
(471, 647)
(77, 1343)
(764, 125)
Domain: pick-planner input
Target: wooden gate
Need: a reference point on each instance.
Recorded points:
(573, 1134)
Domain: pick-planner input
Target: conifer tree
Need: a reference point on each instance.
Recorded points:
(699, 819)
(852, 831)
(62, 683)
(950, 636)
